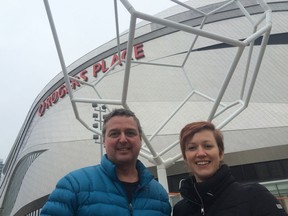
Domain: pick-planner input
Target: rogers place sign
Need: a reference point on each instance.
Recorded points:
(99, 67)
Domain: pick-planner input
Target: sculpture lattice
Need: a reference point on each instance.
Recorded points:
(191, 40)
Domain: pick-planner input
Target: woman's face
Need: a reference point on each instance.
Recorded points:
(202, 155)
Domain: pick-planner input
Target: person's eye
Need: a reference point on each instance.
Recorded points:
(113, 134)
(208, 146)
(131, 133)
(191, 148)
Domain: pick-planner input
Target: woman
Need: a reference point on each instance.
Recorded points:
(212, 190)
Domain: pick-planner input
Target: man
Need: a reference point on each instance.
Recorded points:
(120, 185)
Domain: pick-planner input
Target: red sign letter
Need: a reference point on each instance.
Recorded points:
(83, 76)
(138, 51)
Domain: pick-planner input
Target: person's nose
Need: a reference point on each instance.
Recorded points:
(122, 138)
(201, 152)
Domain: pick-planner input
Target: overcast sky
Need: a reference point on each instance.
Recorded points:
(28, 57)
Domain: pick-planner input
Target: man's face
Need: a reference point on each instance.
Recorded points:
(122, 140)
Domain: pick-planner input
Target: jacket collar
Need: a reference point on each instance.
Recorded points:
(208, 190)
(109, 168)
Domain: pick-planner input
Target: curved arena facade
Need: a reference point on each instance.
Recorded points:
(52, 142)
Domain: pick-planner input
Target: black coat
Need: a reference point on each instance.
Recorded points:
(221, 195)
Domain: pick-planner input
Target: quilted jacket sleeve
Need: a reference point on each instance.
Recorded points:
(62, 200)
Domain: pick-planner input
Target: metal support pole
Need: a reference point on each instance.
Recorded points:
(162, 176)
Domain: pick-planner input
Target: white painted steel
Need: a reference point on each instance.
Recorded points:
(148, 151)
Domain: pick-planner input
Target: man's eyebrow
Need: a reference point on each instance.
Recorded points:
(126, 129)
(131, 129)
(113, 129)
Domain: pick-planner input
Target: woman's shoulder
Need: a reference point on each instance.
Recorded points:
(262, 200)
(245, 192)
(248, 186)
(254, 188)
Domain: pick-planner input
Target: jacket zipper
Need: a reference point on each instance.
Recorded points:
(202, 204)
(202, 210)
(130, 209)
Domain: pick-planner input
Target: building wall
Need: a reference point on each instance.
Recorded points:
(1, 167)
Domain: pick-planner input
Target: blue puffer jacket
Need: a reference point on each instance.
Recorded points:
(97, 191)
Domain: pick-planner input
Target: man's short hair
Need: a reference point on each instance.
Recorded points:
(121, 112)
